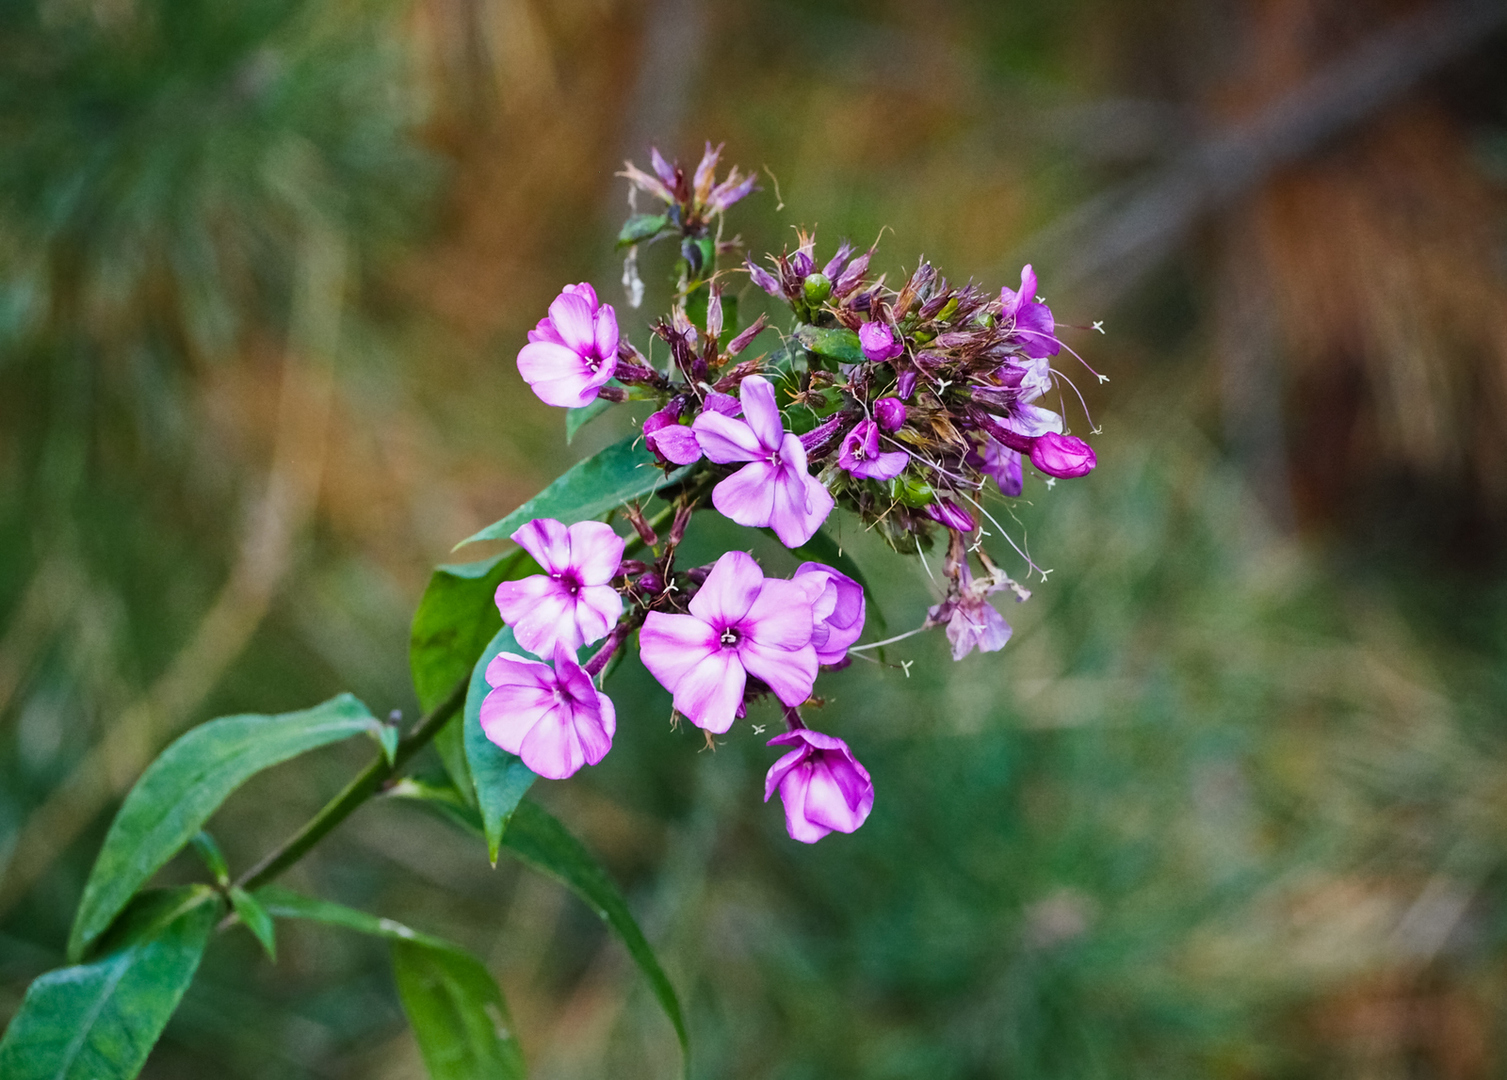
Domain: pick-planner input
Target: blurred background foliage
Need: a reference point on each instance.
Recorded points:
(1232, 803)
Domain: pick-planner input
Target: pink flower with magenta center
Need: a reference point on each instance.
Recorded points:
(571, 354)
(861, 456)
(556, 720)
(774, 489)
(740, 624)
(837, 610)
(821, 783)
(571, 604)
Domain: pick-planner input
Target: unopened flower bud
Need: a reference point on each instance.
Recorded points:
(946, 512)
(912, 492)
(817, 288)
(906, 383)
(1064, 456)
(890, 412)
(801, 264)
(879, 342)
(651, 582)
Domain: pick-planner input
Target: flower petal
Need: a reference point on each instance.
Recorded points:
(789, 673)
(671, 645)
(604, 337)
(778, 770)
(729, 592)
(780, 616)
(548, 541)
(725, 440)
(572, 316)
(748, 496)
(676, 442)
(711, 692)
(762, 412)
(794, 790)
(551, 748)
(595, 552)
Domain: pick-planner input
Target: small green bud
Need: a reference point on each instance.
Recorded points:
(817, 288)
(911, 491)
(949, 309)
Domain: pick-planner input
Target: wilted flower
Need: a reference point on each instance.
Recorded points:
(972, 622)
(860, 454)
(740, 624)
(774, 489)
(837, 610)
(556, 720)
(821, 783)
(1004, 465)
(573, 352)
(946, 512)
(571, 604)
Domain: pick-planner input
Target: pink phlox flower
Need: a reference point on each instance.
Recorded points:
(774, 489)
(571, 604)
(879, 342)
(973, 622)
(555, 719)
(837, 610)
(860, 454)
(740, 624)
(1034, 328)
(823, 786)
(571, 354)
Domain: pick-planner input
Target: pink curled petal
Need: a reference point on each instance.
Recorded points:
(598, 608)
(596, 733)
(506, 669)
(778, 770)
(1032, 420)
(548, 541)
(725, 440)
(835, 798)
(1028, 285)
(671, 645)
(712, 691)
(1036, 331)
(762, 412)
(748, 496)
(574, 322)
(544, 330)
(676, 443)
(554, 372)
(794, 790)
(595, 551)
(551, 748)
(780, 616)
(573, 392)
(585, 291)
(549, 622)
(725, 404)
(729, 591)
(789, 673)
(604, 336)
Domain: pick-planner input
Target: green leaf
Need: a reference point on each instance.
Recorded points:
(537, 838)
(185, 785)
(455, 620)
(214, 858)
(99, 1021)
(500, 778)
(387, 738)
(823, 549)
(457, 1013)
(620, 473)
(256, 919)
(641, 227)
(835, 343)
(576, 419)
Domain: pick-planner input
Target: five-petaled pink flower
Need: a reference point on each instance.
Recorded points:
(837, 610)
(556, 720)
(774, 489)
(861, 456)
(821, 783)
(740, 624)
(571, 354)
(571, 603)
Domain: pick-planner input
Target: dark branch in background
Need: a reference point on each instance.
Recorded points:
(1102, 248)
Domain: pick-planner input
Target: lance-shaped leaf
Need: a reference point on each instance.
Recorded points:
(455, 620)
(835, 343)
(538, 838)
(576, 419)
(185, 785)
(621, 473)
(500, 779)
(457, 1011)
(99, 1021)
(641, 227)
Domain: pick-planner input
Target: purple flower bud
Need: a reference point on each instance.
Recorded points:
(763, 278)
(946, 512)
(839, 261)
(906, 383)
(1062, 455)
(651, 582)
(669, 439)
(879, 342)
(890, 412)
(801, 264)
(662, 167)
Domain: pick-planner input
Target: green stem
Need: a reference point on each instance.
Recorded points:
(366, 784)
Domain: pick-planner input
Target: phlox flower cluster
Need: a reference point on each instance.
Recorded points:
(912, 407)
